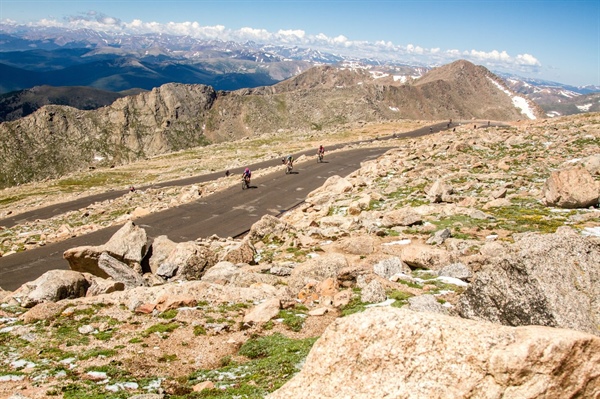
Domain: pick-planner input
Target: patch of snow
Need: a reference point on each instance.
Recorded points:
(394, 109)
(122, 386)
(400, 242)
(518, 101)
(155, 384)
(70, 361)
(452, 280)
(6, 378)
(560, 210)
(98, 375)
(20, 364)
(584, 108)
(573, 160)
(569, 94)
(591, 232)
(402, 79)
(378, 75)
(387, 302)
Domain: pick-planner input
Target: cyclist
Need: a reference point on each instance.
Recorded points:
(320, 152)
(246, 175)
(289, 160)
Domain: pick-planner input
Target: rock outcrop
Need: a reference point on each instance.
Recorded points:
(128, 245)
(571, 188)
(550, 280)
(398, 353)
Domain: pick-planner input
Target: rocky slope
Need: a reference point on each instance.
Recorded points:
(57, 140)
(496, 225)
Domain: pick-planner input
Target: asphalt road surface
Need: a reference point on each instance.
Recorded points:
(59, 209)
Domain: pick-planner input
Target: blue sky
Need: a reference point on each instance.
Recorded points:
(546, 39)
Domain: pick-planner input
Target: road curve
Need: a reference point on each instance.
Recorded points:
(227, 213)
(79, 203)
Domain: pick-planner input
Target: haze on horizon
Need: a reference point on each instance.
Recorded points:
(551, 40)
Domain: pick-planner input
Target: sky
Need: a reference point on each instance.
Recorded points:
(552, 40)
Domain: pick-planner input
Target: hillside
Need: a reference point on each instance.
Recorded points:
(57, 140)
(493, 275)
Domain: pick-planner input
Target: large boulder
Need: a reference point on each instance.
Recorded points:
(571, 188)
(127, 245)
(401, 217)
(398, 353)
(186, 261)
(316, 270)
(221, 273)
(440, 191)
(52, 286)
(269, 227)
(120, 272)
(420, 256)
(160, 250)
(550, 280)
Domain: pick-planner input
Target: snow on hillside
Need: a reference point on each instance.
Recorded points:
(518, 101)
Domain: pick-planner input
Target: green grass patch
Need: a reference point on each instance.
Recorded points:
(97, 352)
(354, 306)
(528, 215)
(273, 361)
(168, 314)
(11, 199)
(96, 179)
(294, 320)
(234, 307)
(401, 298)
(199, 330)
(167, 358)
(162, 329)
(456, 223)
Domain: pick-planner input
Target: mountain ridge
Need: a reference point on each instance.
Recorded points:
(55, 139)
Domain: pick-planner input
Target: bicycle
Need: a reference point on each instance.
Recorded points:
(319, 157)
(288, 168)
(245, 183)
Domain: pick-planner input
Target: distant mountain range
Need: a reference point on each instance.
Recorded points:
(36, 56)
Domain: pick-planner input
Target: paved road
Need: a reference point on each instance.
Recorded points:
(227, 213)
(59, 209)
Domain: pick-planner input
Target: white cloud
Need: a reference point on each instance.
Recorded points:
(385, 50)
(527, 59)
(256, 34)
(493, 55)
(291, 36)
